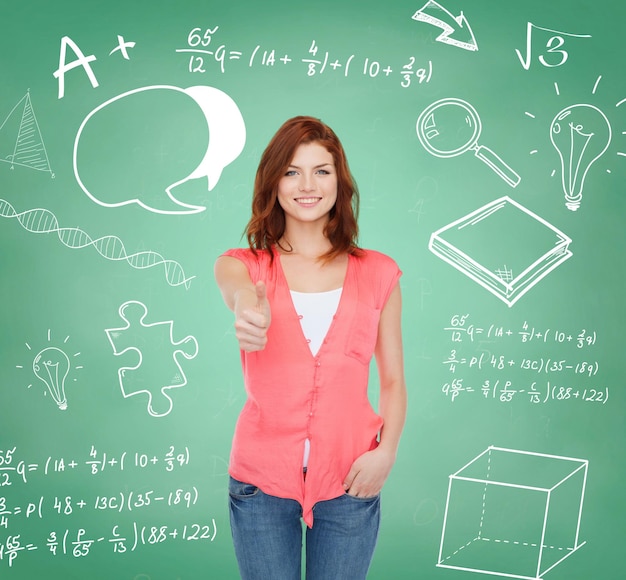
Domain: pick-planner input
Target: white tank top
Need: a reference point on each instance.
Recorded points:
(316, 311)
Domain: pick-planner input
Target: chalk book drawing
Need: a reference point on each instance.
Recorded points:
(502, 246)
(43, 221)
(513, 513)
(155, 372)
(144, 127)
(21, 142)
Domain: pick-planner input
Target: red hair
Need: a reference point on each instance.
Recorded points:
(267, 224)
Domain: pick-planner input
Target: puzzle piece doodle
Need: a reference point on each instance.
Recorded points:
(157, 368)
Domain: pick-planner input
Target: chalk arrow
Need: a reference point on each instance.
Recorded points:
(457, 26)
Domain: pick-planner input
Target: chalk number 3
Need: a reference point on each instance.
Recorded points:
(555, 55)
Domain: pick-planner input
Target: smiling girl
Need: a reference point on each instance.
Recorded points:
(311, 309)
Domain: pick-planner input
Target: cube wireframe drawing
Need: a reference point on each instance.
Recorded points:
(513, 513)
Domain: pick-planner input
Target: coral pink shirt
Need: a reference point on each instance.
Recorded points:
(293, 395)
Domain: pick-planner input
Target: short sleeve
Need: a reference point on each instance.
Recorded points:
(246, 256)
(385, 273)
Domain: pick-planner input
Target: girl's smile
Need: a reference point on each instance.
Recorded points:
(308, 190)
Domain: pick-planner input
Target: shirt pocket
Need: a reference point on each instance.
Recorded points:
(363, 334)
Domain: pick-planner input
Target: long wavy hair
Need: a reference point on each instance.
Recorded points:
(267, 224)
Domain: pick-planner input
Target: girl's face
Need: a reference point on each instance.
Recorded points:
(308, 190)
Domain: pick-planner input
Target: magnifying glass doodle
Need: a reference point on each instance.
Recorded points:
(450, 127)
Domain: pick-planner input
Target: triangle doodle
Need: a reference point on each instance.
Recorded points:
(28, 149)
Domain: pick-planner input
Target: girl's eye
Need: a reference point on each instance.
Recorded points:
(290, 173)
(323, 172)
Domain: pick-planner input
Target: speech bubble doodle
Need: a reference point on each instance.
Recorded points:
(134, 147)
(227, 132)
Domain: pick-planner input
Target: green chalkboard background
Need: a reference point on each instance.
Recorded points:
(134, 487)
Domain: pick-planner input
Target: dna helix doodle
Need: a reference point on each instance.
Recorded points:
(43, 221)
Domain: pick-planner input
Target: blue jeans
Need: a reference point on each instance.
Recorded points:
(267, 534)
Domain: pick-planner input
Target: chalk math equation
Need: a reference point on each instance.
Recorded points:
(461, 328)
(120, 501)
(534, 374)
(34, 518)
(96, 461)
(78, 543)
(206, 53)
(486, 360)
(505, 390)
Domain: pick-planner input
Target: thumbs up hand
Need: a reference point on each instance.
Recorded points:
(252, 317)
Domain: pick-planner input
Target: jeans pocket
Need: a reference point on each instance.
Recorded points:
(371, 498)
(241, 490)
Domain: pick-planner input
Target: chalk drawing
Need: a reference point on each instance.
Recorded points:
(450, 127)
(28, 149)
(455, 30)
(43, 221)
(226, 136)
(513, 513)
(502, 246)
(155, 371)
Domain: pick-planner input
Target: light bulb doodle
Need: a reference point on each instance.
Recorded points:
(52, 366)
(580, 134)
(450, 127)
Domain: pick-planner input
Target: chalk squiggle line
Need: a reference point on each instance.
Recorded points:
(43, 221)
